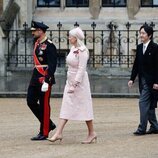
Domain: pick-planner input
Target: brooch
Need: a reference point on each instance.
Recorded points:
(76, 52)
(43, 46)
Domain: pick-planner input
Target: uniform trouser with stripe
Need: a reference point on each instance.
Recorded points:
(146, 112)
(39, 103)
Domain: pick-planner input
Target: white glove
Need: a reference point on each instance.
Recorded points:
(44, 87)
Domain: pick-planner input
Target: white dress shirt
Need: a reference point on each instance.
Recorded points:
(145, 45)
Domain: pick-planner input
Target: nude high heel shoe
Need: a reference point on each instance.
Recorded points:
(93, 139)
(55, 139)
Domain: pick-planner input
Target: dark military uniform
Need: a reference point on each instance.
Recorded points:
(45, 60)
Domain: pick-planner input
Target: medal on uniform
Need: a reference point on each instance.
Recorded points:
(43, 46)
(40, 58)
(40, 52)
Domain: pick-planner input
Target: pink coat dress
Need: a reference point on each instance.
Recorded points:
(77, 105)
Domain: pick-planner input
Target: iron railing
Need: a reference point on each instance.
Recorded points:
(111, 47)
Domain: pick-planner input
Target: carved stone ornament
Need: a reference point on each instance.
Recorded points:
(94, 8)
(133, 7)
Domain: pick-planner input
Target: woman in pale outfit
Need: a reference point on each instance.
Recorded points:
(77, 101)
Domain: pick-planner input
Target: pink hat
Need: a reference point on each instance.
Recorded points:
(77, 32)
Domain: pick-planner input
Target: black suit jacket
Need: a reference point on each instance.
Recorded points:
(146, 66)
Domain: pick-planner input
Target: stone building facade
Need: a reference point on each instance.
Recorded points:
(85, 12)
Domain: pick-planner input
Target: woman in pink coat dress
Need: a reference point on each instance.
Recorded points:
(77, 101)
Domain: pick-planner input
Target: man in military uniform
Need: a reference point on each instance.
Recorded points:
(39, 90)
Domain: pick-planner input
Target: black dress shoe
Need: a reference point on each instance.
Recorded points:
(138, 133)
(152, 131)
(52, 127)
(39, 137)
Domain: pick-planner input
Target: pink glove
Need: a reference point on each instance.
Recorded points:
(71, 89)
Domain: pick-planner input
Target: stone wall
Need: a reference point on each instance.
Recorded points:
(5, 3)
(1, 6)
(26, 11)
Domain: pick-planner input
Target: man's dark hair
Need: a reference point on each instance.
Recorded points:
(148, 29)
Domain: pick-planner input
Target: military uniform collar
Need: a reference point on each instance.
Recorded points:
(44, 39)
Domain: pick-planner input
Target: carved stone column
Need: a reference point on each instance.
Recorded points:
(1, 6)
(133, 7)
(62, 5)
(2, 50)
(94, 8)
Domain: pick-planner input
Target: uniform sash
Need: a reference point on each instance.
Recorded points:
(36, 62)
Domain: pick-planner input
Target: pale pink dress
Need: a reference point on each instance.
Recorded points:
(77, 105)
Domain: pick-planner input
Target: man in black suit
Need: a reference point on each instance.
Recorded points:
(39, 90)
(146, 67)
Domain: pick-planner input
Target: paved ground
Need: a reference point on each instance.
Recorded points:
(115, 120)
